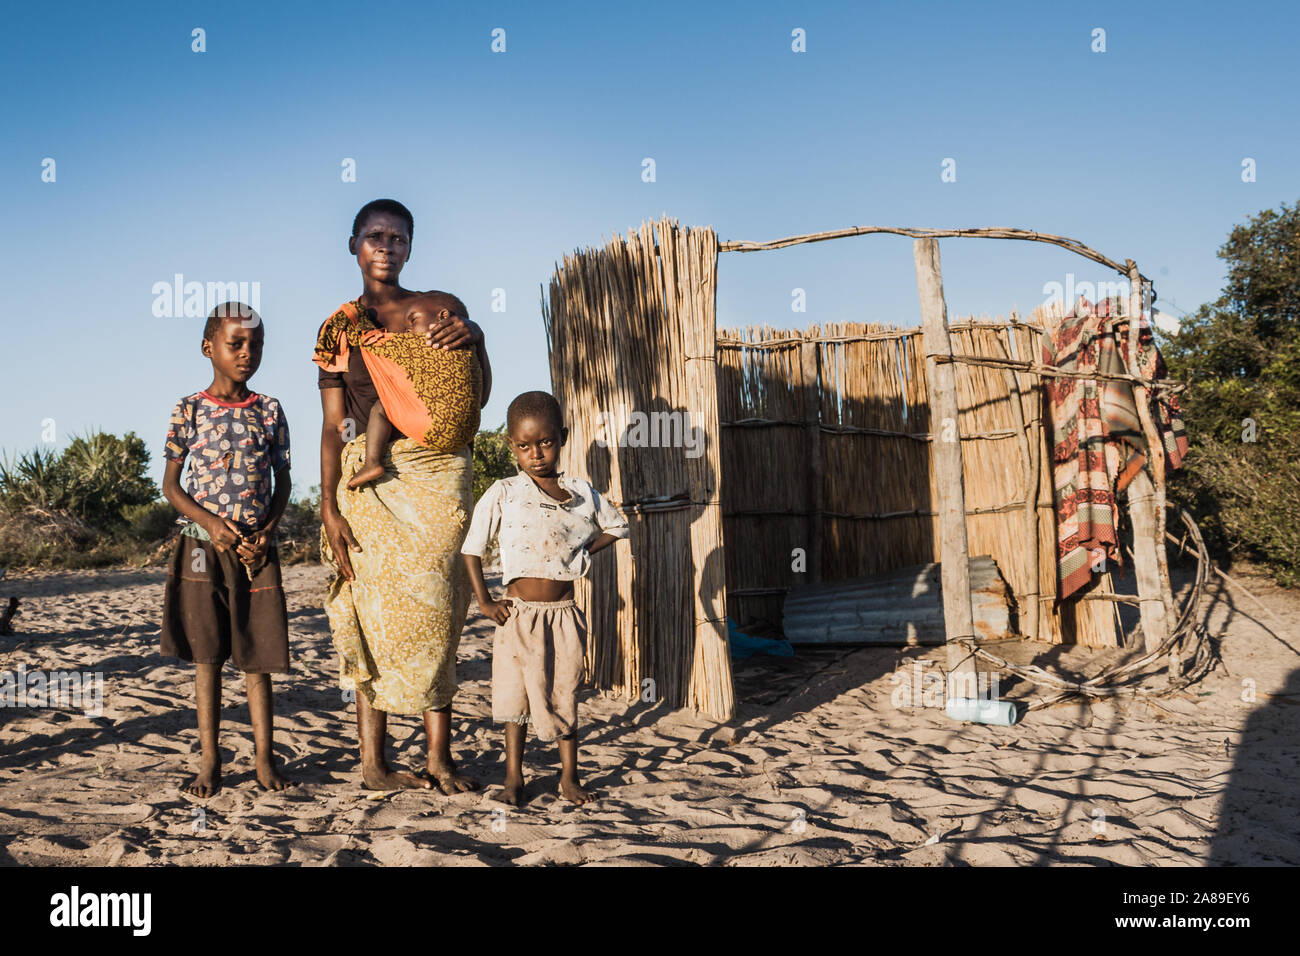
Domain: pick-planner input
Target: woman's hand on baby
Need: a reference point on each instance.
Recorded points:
(223, 532)
(499, 611)
(454, 333)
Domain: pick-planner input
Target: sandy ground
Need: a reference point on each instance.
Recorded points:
(819, 767)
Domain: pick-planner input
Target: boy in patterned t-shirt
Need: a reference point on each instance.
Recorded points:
(224, 598)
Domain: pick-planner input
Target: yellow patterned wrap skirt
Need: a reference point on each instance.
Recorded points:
(397, 626)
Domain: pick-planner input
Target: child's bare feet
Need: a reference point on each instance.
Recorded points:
(512, 793)
(367, 474)
(445, 775)
(573, 791)
(206, 782)
(384, 778)
(268, 776)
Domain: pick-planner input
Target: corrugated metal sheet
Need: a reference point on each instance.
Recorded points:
(897, 608)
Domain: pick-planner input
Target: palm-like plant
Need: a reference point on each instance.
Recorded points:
(95, 477)
(106, 473)
(34, 479)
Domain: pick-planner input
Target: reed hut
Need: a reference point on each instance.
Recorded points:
(753, 462)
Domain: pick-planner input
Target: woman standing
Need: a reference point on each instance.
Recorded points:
(398, 598)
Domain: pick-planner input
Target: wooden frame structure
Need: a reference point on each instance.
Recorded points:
(632, 324)
(1146, 495)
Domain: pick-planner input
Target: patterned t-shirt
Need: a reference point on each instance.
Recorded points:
(235, 449)
(540, 537)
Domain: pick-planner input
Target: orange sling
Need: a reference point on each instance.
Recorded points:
(430, 394)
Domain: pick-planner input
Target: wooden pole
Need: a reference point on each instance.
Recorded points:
(812, 413)
(1147, 495)
(948, 479)
(1142, 512)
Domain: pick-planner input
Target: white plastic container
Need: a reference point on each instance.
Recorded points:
(1000, 712)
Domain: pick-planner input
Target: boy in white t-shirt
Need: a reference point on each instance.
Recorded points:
(547, 527)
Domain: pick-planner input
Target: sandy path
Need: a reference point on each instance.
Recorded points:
(819, 767)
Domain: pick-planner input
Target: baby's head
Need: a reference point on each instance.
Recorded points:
(434, 309)
(232, 339)
(535, 428)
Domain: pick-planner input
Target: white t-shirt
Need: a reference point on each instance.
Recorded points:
(538, 536)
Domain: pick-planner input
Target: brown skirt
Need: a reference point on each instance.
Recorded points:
(212, 612)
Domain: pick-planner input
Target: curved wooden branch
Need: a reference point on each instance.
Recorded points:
(996, 232)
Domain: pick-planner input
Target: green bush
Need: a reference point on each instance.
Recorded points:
(105, 475)
(94, 478)
(91, 504)
(32, 480)
(493, 459)
(1240, 357)
(152, 521)
(298, 535)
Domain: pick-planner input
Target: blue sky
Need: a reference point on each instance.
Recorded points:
(225, 165)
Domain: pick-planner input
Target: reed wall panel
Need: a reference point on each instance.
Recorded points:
(878, 489)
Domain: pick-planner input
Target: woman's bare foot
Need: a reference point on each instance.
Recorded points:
(444, 774)
(367, 474)
(573, 791)
(512, 793)
(268, 777)
(384, 778)
(206, 782)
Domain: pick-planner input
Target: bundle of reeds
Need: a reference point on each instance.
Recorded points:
(630, 329)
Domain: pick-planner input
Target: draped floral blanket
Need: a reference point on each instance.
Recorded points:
(430, 394)
(1097, 441)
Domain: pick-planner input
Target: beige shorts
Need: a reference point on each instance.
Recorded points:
(537, 666)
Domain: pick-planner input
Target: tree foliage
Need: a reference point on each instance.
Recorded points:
(493, 459)
(90, 504)
(1240, 356)
(95, 478)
